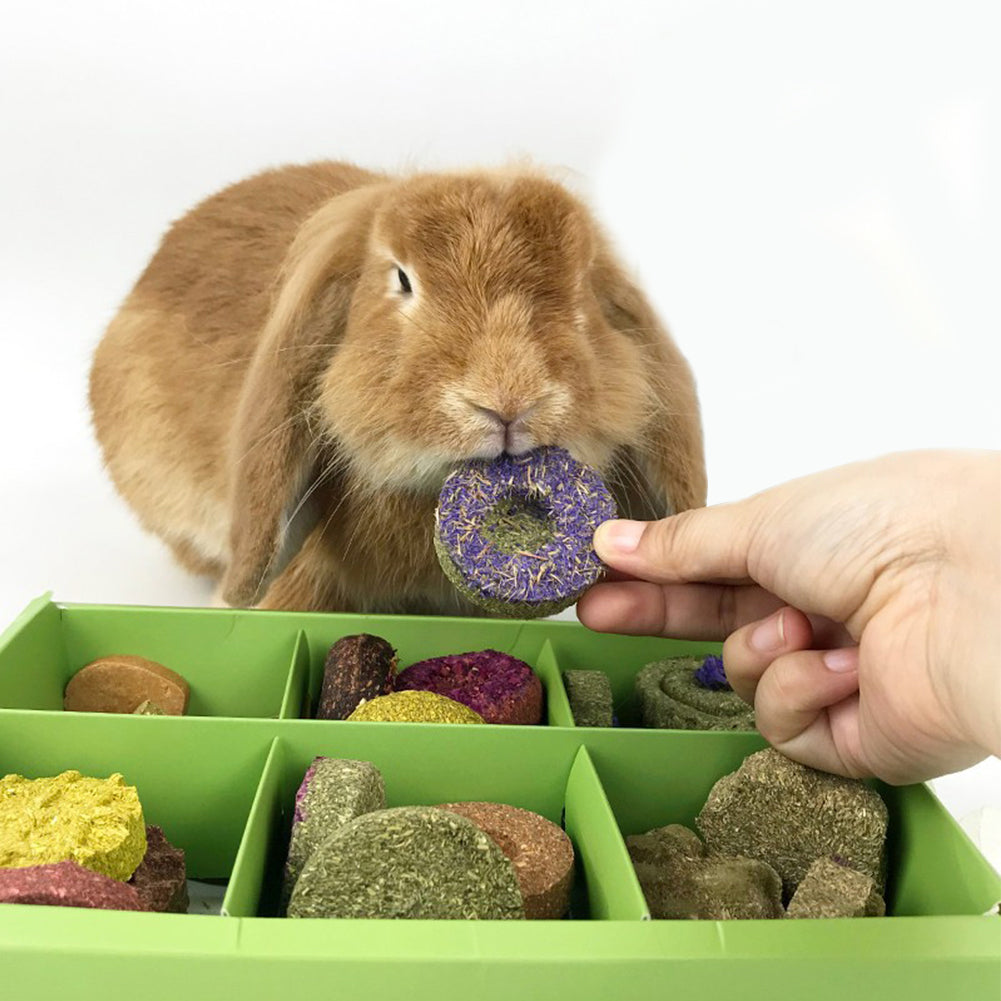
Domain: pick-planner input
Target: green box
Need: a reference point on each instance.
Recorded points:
(221, 782)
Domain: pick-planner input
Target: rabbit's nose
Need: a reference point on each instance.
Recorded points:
(508, 426)
(507, 417)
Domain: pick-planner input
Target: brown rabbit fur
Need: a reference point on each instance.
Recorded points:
(278, 407)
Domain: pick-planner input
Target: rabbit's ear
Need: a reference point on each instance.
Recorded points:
(276, 463)
(665, 471)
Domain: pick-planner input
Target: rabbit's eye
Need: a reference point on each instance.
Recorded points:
(404, 281)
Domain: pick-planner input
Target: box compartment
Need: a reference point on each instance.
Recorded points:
(428, 764)
(235, 664)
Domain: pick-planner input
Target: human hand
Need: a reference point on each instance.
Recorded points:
(861, 608)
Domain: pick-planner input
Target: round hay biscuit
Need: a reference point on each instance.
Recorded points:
(541, 853)
(408, 862)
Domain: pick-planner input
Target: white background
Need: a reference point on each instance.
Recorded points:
(804, 192)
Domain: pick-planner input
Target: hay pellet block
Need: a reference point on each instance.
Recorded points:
(541, 853)
(120, 684)
(670, 698)
(788, 815)
(95, 822)
(161, 879)
(67, 884)
(832, 890)
(680, 880)
(408, 862)
(590, 695)
(333, 791)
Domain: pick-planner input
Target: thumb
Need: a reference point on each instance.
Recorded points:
(704, 544)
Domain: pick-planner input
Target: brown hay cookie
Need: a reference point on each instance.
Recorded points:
(541, 853)
(122, 683)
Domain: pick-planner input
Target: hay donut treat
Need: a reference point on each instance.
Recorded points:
(161, 879)
(67, 884)
(497, 686)
(590, 696)
(514, 534)
(333, 792)
(357, 668)
(407, 862)
(541, 853)
(121, 684)
(95, 822)
(690, 693)
(414, 707)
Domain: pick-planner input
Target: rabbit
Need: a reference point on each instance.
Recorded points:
(311, 350)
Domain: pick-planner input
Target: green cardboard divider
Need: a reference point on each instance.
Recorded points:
(244, 889)
(557, 706)
(33, 662)
(615, 892)
(296, 703)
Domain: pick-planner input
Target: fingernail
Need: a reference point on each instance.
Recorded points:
(770, 635)
(620, 536)
(843, 660)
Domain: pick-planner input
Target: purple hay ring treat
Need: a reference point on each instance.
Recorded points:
(514, 534)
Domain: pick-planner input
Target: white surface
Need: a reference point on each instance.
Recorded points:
(804, 194)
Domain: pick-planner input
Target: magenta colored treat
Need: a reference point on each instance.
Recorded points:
(574, 501)
(67, 884)
(299, 814)
(501, 688)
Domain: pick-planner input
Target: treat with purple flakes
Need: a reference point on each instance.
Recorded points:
(161, 879)
(690, 693)
(357, 668)
(501, 688)
(67, 884)
(514, 534)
